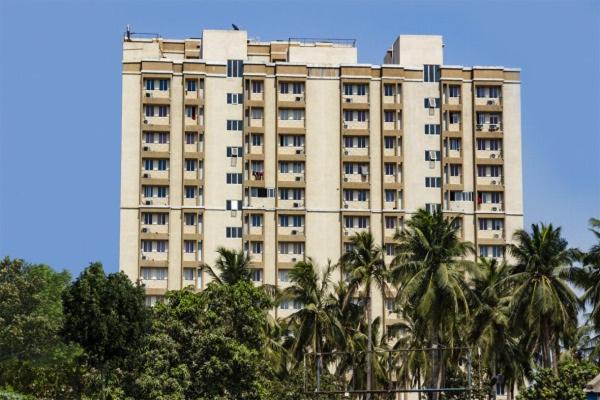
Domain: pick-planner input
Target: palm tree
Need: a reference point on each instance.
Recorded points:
(233, 266)
(543, 304)
(315, 324)
(365, 266)
(491, 325)
(590, 279)
(430, 268)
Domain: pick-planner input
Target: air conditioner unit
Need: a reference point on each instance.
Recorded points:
(479, 127)
(148, 94)
(493, 127)
(494, 182)
(494, 208)
(294, 232)
(492, 156)
(345, 205)
(148, 202)
(345, 152)
(293, 259)
(345, 179)
(298, 151)
(490, 102)
(496, 236)
(432, 101)
(345, 126)
(348, 100)
(432, 155)
(144, 230)
(298, 179)
(144, 257)
(296, 205)
(145, 121)
(346, 233)
(298, 98)
(146, 148)
(146, 176)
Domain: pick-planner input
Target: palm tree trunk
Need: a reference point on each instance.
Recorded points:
(546, 346)
(435, 370)
(556, 355)
(369, 339)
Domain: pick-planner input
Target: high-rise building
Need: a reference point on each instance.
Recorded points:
(288, 148)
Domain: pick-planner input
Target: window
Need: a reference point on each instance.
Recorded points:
(433, 182)
(190, 165)
(361, 142)
(190, 219)
(235, 98)
(361, 90)
(163, 84)
(348, 115)
(284, 88)
(189, 246)
(454, 169)
(461, 196)
(256, 87)
(454, 144)
(233, 232)
(390, 195)
(256, 220)
(149, 111)
(190, 85)
(234, 151)
(234, 125)
(163, 111)
(388, 142)
(455, 118)
(158, 274)
(361, 116)
(257, 113)
(495, 144)
(433, 207)
(390, 222)
(162, 164)
(454, 91)
(149, 84)
(256, 140)
(148, 164)
(188, 274)
(494, 119)
(256, 248)
(235, 68)
(493, 92)
(362, 195)
(232, 204)
(433, 155)
(480, 91)
(256, 275)
(297, 88)
(432, 102)
(390, 168)
(388, 90)
(190, 138)
(150, 301)
(432, 129)
(190, 192)
(348, 90)
(431, 73)
(235, 179)
(388, 116)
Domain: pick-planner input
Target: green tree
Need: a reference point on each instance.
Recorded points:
(33, 358)
(233, 266)
(211, 345)
(365, 266)
(589, 278)
(569, 384)
(430, 269)
(106, 316)
(543, 305)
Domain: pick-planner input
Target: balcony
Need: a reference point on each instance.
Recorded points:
(150, 256)
(195, 229)
(290, 258)
(489, 154)
(290, 150)
(294, 231)
(196, 175)
(156, 147)
(392, 126)
(155, 201)
(356, 204)
(356, 178)
(356, 151)
(255, 122)
(349, 232)
(291, 123)
(254, 149)
(489, 234)
(290, 176)
(156, 120)
(256, 258)
(490, 207)
(291, 98)
(156, 94)
(289, 203)
(191, 257)
(154, 229)
(251, 96)
(490, 181)
(348, 100)
(391, 179)
(488, 103)
(197, 147)
(197, 120)
(356, 125)
(155, 174)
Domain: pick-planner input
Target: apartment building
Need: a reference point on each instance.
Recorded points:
(288, 148)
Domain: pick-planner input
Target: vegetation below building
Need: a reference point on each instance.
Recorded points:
(94, 338)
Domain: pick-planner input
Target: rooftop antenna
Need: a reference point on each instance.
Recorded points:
(128, 32)
(235, 27)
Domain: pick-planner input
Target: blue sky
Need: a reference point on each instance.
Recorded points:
(60, 100)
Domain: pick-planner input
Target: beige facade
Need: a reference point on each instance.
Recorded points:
(288, 148)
